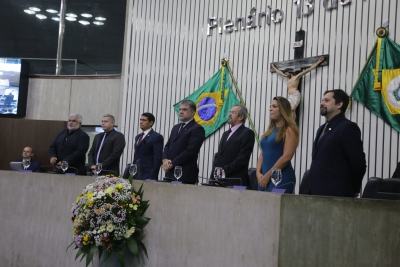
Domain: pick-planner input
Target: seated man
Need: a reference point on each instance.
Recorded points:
(27, 155)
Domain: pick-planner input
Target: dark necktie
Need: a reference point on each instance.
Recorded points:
(140, 138)
(182, 126)
(323, 132)
(229, 132)
(101, 145)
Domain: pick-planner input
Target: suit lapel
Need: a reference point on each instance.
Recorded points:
(144, 139)
(69, 138)
(182, 131)
(233, 137)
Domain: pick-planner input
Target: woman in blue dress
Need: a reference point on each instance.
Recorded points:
(278, 146)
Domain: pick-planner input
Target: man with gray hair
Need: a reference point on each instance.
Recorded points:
(235, 146)
(70, 145)
(107, 147)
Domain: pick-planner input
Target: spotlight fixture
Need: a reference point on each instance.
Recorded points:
(34, 9)
(30, 12)
(41, 16)
(55, 18)
(100, 18)
(70, 18)
(84, 22)
(72, 15)
(50, 10)
(86, 15)
(98, 22)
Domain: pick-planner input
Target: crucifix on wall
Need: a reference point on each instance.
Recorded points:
(295, 69)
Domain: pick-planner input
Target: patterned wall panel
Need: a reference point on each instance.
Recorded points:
(168, 55)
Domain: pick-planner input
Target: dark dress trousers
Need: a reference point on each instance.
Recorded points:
(234, 155)
(183, 149)
(338, 160)
(111, 151)
(149, 151)
(71, 147)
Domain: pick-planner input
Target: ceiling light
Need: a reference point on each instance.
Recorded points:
(98, 22)
(51, 10)
(70, 18)
(72, 15)
(84, 22)
(100, 18)
(40, 16)
(30, 12)
(34, 9)
(86, 15)
(55, 18)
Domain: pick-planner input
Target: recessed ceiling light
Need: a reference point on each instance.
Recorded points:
(40, 16)
(72, 15)
(50, 10)
(98, 22)
(70, 18)
(84, 22)
(100, 18)
(55, 18)
(34, 9)
(86, 15)
(30, 12)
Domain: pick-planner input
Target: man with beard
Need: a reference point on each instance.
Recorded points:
(235, 146)
(70, 145)
(338, 160)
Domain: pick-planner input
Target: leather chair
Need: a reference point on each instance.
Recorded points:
(253, 184)
(305, 183)
(378, 188)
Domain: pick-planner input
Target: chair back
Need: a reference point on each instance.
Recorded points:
(253, 184)
(289, 187)
(379, 188)
(305, 183)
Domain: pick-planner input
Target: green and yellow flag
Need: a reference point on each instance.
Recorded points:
(378, 87)
(214, 100)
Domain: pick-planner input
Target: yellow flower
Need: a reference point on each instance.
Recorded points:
(89, 196)
(86, 237)
(84, 243)
(109, 190)
(131, 206)
(135, 207)
(118, 186)
(78, 198)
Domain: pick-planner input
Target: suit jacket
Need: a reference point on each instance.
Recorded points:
(149, 152)
(71, 147)
(34, 167)
(338, 160)
(234, 155)
(111, 151)
(183, 149)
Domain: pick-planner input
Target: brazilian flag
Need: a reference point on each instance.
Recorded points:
(214, 100)
(378, 87)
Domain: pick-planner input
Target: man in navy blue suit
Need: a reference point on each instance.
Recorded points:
(338, 160)
(27, 154)
(148, 148)
(184, 143)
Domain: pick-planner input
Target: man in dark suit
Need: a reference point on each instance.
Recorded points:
(148, 148)
(235, 146)
(338, 160)
(27, 155)
(70, 145)
(107, 147)
(183, 146)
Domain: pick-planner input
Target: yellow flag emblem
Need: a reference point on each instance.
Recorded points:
(391, 89)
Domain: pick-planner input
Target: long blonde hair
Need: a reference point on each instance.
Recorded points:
(288, 122)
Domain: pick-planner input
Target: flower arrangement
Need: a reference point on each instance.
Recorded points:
(108, 216)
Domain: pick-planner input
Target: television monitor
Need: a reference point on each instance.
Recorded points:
(14, 79)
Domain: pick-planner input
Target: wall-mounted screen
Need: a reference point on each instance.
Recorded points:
(14, 79)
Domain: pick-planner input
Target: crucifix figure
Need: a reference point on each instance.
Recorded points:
(294, 78)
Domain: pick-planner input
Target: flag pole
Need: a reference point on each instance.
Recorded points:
(225, 62)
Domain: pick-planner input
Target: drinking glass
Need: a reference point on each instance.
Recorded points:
(26, 163)
(64, 165)
(276, 176)
(178, 172)
(98, 168)
(132, 169)
(218, 173)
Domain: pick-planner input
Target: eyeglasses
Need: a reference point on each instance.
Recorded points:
(183, 109)
(232, 112)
